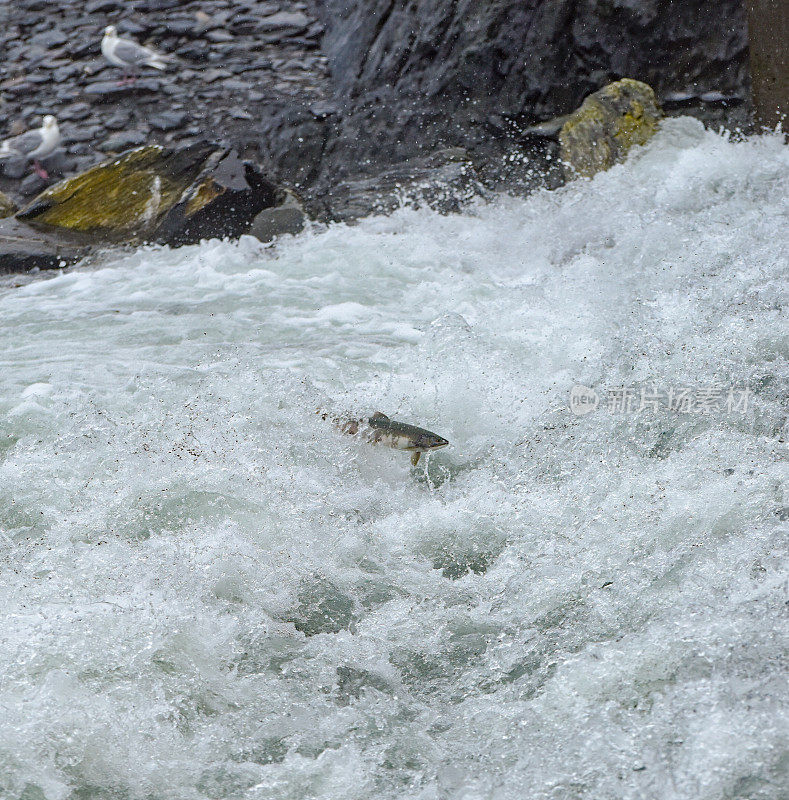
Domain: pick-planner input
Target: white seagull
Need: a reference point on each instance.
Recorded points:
(128, 54)
(34, 145)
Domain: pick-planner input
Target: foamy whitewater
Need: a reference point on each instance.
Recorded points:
(208, 592)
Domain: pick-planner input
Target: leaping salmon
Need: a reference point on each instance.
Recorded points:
(379, 429)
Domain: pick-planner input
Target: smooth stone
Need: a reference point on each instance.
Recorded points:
(210, 75)
(83, 134)
(273, 222)
(23, 249)
(105, 91)
(219, 36)
(118, 120)
(285, 19)
(13, 168)
(168, 120)
(32, 184)
(180, 27)
(103, 6)
(123, 141)
(64, 73)
(56, 164)
(48, 39)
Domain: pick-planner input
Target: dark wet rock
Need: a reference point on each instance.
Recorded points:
(57, 163)
(108, 91)
(219, 36)
(23, 249)
(158, 5)
(14, 168)
(285, 20)
(287, 217)
(123, 141)
(48, 39)
(103, 6)
(211, 75)
(168, 120)
(180, 27)
(233, 85)
(83, 133)
(33, 184)
(222, 202)
(66, 72)
(117, 121)
(244, 24)
(444, 181)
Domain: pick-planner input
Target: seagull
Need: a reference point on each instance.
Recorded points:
(34, 145)
(128, 54)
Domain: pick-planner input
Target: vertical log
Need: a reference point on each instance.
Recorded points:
(768, 37)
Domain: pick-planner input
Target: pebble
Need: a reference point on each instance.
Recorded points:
(118, 120)
(210, 75)
(107, 90)
(123, 141)
(168, 121)
(285, 19)
(48, 39)
(33, 184)
(219, 36)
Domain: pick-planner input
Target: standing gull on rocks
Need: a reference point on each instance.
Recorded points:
(129, 55)
(34, 145)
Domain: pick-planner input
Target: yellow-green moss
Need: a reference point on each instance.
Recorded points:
(202, 195)
(125, 195)
(608, 123)
(7, 206)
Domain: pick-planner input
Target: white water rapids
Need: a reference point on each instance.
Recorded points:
(208, 592)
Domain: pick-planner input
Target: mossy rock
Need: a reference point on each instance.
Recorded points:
(123, 197)
(609, 122)
(7, 206)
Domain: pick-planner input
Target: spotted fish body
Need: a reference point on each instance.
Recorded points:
(379, 429)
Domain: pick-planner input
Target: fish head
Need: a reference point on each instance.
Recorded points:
(428, 441)
(111, 32)
(419, 440)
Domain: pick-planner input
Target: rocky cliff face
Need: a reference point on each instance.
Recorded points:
(411, 75)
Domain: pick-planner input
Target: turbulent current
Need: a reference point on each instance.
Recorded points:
(209, 592)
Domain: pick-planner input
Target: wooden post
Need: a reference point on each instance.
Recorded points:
(768, 38)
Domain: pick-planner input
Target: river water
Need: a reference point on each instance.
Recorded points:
(208, 592)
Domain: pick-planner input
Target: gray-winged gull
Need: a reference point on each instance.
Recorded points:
(128, 54)
(34, 145)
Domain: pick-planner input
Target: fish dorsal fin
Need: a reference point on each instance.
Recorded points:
(379, 417)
